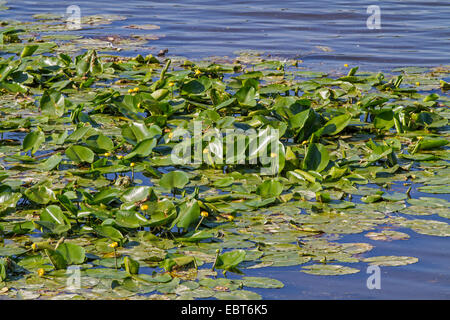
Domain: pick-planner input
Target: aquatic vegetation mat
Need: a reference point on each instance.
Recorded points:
(91, 195)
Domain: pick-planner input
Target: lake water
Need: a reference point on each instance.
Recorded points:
(325, 35)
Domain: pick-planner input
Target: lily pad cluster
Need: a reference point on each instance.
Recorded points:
(88, 184)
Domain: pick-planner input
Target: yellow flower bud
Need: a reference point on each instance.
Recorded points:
(204, 214)
(144, 207)
(136, 89)
(170, 135)
(34, 246)
(132, 164)
(417, 83)
(40, 272)
(230, 218)
(107, 154)
(197, 72)
(120, 157)
(346, 65)
(114, 245)
(130, 90)
(171, 84)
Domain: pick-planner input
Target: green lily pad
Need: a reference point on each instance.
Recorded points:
(391, 261)
(328, 270)
(238, 295)
(387, 235)
(262, 282)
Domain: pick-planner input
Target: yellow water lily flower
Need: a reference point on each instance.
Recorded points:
(114, 245)
(417, 83)
(34, 246)
(144, 207)
(197, 72)
(204, 214)
(132, 164)
(120, 157)
(40, 272)
(107, 154)
(136, 89)
(346, 65)
(130, 90)
(171, 84)
(230, 218)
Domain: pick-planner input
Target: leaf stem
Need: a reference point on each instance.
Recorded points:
(201, 220)
(215, 260)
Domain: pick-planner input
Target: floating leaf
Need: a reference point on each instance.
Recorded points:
(109, 232)
(142, 149)
(72, 253)
(335, 125)
(230, 260)
(387, 235)
(328, 270)
(50, 163)
(384, 120)
(174, 179)
(80, 154)
(188, 215)
(131, 266)
(316, 158)
(56, 258)
(270, 188)
(262, 282)
(41, 194)
(391, 261)
(238, 295)
(53, 103)
(54, 219)
(33, 141)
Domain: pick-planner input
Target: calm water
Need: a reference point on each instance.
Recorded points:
(325, 35)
